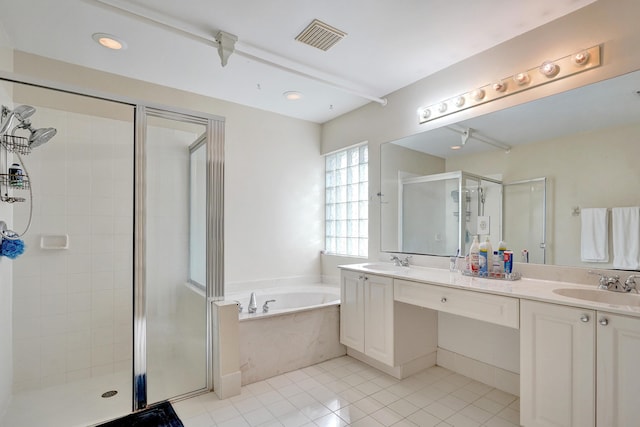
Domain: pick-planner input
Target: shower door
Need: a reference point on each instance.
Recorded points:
(525, 219)
(175, 277)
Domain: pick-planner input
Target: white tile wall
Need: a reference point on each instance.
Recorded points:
(72, 308)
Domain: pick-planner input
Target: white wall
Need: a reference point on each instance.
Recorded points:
(6, 270)
(274, 173)
(612, 23)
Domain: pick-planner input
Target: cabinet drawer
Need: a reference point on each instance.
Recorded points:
(489, 308)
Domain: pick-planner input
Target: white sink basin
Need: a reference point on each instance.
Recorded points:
(597, 295)
(384, 266)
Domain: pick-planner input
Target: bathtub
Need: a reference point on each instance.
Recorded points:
(302, 328)
(288, 299)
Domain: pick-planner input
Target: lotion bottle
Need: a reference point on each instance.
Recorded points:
(474, 254)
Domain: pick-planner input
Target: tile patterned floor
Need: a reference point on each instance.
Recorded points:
(345, 392)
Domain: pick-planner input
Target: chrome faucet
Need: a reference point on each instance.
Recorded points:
(253, 306)
(398, 262)
(630, 283)
(611, 283)
(265, 306)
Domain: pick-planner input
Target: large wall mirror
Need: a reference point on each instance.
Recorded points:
(571, 151)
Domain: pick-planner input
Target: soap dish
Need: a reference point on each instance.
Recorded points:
(57, 241)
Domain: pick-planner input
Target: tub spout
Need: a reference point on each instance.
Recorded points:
(253, 306)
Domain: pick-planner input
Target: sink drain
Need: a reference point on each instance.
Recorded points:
(109, 393)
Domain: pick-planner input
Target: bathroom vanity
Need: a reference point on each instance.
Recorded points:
(579, 346)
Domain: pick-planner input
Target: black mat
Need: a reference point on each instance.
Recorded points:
(161, 415)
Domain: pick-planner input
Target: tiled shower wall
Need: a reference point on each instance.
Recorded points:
(72, 307)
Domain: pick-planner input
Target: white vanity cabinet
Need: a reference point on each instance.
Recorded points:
(399, 339)
(578, 367)
(352, 310)
(557, 365)
(366, 315)
(618, 371)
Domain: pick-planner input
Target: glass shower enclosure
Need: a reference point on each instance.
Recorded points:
(109, 306)
(439, 214)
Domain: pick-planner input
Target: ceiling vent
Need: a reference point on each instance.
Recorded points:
(320, 35)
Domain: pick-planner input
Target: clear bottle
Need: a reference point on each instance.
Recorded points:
(474, 254)
(497, 269)
(489, 248)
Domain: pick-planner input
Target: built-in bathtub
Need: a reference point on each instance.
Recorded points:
(302, 328)
(288, 299)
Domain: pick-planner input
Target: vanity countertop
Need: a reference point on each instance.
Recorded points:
(532, 289)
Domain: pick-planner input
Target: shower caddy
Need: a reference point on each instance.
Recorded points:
(16, 178)
(11, 182)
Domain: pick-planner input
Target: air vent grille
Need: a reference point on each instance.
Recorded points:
(320, 35)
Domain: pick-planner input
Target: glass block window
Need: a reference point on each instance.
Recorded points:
(347, 202)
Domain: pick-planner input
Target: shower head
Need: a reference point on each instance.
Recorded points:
(41, 136)
(21, 112)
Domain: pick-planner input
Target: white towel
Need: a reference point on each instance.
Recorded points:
(626, 237)
(594, 242)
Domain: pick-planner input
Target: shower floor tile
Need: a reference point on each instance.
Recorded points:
(345, 392)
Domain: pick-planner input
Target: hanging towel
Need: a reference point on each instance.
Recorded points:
(594, 242)
(626, 237)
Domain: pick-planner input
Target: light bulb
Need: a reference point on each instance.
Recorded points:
(109, 41)
(478, 94)
(292, 95)
(521, 78)
(549, 69)
(459, 102)
(425, 114)
(581, 58)
(442, 107)
(500, 86)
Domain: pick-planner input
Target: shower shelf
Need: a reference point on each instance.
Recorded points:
(15, 144)
(505, 276)
(9, 180)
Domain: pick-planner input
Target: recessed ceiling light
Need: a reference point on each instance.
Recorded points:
(456, 147)
(109, 41)
(292, 95)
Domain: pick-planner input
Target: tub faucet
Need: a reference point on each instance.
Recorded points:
(265, 306)
(253, 306)
(398, 262)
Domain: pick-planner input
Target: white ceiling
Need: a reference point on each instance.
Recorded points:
(388, 45)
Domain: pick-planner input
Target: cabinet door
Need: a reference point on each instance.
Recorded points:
(557, 365)
(618, 393)
(378, 318)
(352, 310)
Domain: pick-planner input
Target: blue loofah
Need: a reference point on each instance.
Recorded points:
(12, 248)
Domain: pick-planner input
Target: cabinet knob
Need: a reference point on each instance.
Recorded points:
(604, 321)
(443, 300)
(584, 318)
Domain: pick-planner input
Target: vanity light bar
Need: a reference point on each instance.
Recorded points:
(547, 72)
